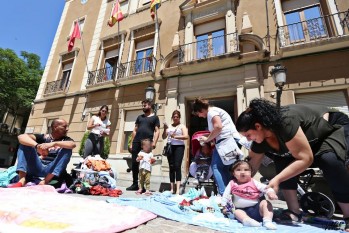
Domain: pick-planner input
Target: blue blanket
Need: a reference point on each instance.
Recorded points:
(162, 206)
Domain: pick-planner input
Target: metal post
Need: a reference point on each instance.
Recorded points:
(278, 96)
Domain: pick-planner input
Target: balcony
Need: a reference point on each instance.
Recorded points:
(208, 48)
(105, 76)
(138, 70)
(314, 30)
(59, 86)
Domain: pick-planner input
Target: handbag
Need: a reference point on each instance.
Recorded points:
(229, 151)
(167, 151)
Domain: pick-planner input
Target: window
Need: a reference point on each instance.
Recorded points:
(210, 44)
(81, 25)
(143, 61)
(111, 62)
(305, 23)
(130, 120)
(66, 71)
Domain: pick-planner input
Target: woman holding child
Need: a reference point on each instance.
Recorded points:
(297, 137)
(176, 134)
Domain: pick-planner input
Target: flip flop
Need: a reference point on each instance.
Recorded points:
(139, 192)
(148, 193)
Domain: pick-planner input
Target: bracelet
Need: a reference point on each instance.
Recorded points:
(36, 146)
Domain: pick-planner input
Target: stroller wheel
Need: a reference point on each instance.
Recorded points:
(317, 204)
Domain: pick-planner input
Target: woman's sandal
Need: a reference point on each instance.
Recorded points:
(148, 193)
(288, 216)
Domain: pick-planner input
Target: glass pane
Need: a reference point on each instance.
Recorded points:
(110, 67)
(315, 24)
(218, 45)
(65, 80)
(127, 137)
(149, 60)
(202, 46)
(138, 66)
(294, 26)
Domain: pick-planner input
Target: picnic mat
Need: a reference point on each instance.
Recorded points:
(164, 207)
(41, 209)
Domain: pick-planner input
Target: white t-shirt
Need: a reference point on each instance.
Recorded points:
(103, 125)
(145, 162)
(228, 127)
(177, 131)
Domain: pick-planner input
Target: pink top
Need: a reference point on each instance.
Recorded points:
(247, 190)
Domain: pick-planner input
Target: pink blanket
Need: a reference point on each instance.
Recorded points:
(41, 209)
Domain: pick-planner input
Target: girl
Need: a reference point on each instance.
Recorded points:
(246, 193)
(145, 159)
(100, 127)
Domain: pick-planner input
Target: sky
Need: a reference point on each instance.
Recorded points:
(29, 25)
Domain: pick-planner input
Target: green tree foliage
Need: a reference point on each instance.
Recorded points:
(19, 80)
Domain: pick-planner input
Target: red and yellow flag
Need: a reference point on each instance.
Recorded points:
(154, 5)
(116, 15)
(75, 34)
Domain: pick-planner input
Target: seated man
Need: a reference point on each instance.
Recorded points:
(41, 155)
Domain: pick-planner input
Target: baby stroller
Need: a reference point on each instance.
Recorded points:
(200, 169)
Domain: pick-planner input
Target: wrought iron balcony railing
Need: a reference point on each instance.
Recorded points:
(140, 66)
(58, 86)
(203, 49)
(328, 26)
(101, 76)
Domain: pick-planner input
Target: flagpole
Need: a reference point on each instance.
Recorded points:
(157, 23)
(82, 42)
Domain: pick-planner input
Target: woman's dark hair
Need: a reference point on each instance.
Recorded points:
(199, 104)
(176, 112)
(103, 106)
(260, 111)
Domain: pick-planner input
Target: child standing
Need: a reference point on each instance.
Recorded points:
(246, 193)
(145, 159)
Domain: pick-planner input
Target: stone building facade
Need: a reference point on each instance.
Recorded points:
(222, 50)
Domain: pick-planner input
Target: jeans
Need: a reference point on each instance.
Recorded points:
(30, 162)
(221, 172)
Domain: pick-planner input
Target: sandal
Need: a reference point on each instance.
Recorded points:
(148, 193)
(288, 216)
(139, 192)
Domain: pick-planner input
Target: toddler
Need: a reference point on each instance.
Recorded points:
(245, 193)
(145, 159)
(200, 168)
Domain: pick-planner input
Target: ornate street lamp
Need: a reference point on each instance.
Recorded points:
(149, 95)
(279, 76)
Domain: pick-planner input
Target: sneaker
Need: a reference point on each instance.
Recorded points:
(133, 187)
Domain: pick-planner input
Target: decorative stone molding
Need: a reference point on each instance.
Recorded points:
(246, 24)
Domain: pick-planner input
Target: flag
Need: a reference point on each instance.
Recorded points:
(76, 34)
(154, 5)
(116, 15)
